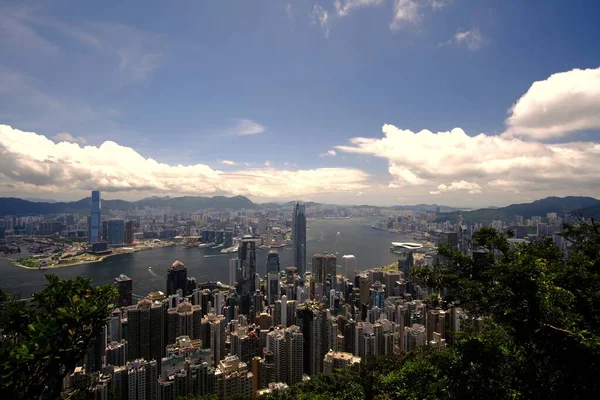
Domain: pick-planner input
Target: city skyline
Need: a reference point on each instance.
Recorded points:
(344, 102)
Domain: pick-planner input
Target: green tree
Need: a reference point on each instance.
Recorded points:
(43, 339)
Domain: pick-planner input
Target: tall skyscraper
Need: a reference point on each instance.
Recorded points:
(145, 330)
(273, 261)
(349, 265)
(95, 218)
(116, 232)
(323, 265)
(299, 238)
(124, 285)
(234, 266)
(246, 276)
(272, 287)
(177, 278)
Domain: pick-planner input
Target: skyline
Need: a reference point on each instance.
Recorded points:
(311, 100)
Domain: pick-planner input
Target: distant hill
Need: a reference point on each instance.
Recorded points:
(589, 212)
(559, 205)
(15, 206)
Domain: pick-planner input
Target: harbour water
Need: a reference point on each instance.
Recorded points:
(370, 246)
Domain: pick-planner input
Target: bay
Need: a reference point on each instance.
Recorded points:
(370, 246)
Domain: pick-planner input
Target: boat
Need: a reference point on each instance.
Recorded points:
(149, 267)
(231, 249)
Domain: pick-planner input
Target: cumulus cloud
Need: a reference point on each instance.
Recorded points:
(29, 161)
(472, 38)
(67, 137)
(320, 16)
(447, 161)
(405, 11)
(244, 127)
(344, 7)
(471, 187)
(228, 162)
(565, 103)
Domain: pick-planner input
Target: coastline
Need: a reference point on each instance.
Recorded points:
(83, 262)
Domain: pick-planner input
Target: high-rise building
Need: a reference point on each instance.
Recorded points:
(247, 273)
(273, 261)
(212, 334)
(124, 285)
(94, 234)
(299, 238)
(142, 380)
(146, 330)
(233, 378)
(338, 360)
(183, 320)
(234, 266)
(129, 232)
(348, 265)
(177, 278)
(116, 232)
(323, 266)
(287, 346)
(377, 294)
(312, 319)
(272, 287)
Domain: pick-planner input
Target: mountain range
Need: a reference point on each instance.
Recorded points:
(574, 205)
(584, 206)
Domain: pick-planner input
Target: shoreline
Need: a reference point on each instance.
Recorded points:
(83, 262)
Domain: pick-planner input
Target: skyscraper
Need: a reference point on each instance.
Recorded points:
(177, 278)
(272, 287)
(116, 232)
(349, 265)
(323, 265)
(273, 261)
(299, 238)
(124, 285)
(129, 232)
(183, 320)
(95, 218)
(247, 280)
(145, 330)
(234, 266)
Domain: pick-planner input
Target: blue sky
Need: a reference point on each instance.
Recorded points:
(272, 86)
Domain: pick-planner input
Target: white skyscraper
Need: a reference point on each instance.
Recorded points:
(348, 265)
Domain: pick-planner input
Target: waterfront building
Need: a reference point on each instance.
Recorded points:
(124, 285)
(94, 233)
(115, 232)
(177, 278)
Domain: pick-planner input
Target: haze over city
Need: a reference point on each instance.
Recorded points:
(377, 102)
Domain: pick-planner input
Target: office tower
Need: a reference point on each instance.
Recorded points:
(349, 265)
(263, 225)
(377, 295)
(115, 232)
(234, 266)
(272, 287)
(311, 319)
(212, 334)
(338, 360)
(406, 263)
(129, 232)
(246, 275)
(233, 378)
(124, 285)
(183, 320)
(96, 353)
(177, 278)
(273, 261)
(206, 301)
(392, 283)
(323, 266)
(146, 330)
(104, 231)
(364, 285)
(299, 238)
(95, 218)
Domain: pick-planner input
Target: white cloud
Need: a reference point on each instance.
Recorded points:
(228, 162)
(565, 103)
(328, 153)
(405, 11)
(67, 137)
(473, 39)
(420, 162)
(267, 164)
(344, 7)
(471, 187)
(31, 162)
(290, 16)
(245, 127)
(320, 16)
(439, 4)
